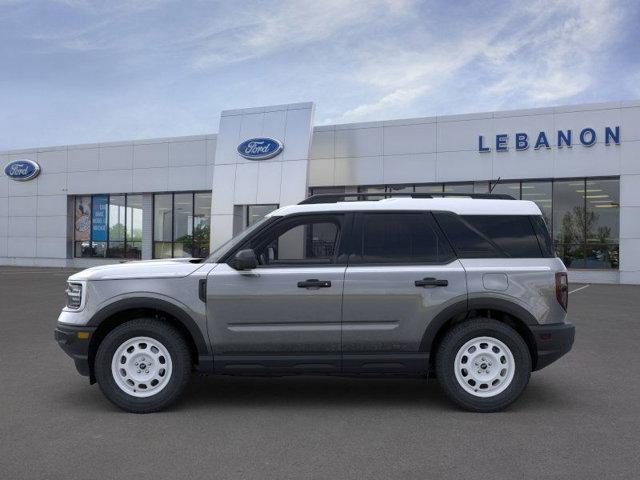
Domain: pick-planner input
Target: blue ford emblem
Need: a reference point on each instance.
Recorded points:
(260, 148)
(22, 170)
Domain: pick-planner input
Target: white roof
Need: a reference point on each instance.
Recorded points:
(459, 205)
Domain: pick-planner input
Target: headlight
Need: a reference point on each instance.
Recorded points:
(74, 295)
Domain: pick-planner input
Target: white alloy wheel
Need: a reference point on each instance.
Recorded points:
(141, 367)
(484, 367)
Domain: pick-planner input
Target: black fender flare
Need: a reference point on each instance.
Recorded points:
(463, 307)
(202, 346)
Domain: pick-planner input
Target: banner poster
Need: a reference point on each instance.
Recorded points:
(99, 218)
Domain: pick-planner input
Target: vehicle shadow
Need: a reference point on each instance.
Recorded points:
(225, 392)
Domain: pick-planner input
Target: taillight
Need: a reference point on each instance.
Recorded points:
(562, 289)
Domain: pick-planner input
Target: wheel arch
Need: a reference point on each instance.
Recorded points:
(504, 311)
(119, 312)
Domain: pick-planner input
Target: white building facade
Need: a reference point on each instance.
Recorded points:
(82, 205)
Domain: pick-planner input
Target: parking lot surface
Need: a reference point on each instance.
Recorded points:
(579, 418)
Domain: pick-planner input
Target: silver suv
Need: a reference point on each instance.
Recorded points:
(466, 289)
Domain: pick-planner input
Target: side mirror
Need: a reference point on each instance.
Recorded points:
(245, 260)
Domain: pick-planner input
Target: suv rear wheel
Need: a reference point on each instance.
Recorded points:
(143, 365)
(483, 365)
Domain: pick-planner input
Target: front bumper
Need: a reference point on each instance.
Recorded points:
(552, 342)
(75, 342)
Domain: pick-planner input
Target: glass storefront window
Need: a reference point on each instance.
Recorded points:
(108, 226)
(162, 225)
(434, 188)
(506, 188)
(182, 224)
(116, 226)
(82, 226)
(201, 224)
(569, 221)
(458, 187)
(540, 192)
(583, 215)
(603, 223)
(134, 227)
(257, 212)
(480, 187)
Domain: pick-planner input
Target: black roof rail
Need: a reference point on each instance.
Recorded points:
(359, 197)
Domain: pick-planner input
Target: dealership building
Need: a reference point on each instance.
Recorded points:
(84, 205)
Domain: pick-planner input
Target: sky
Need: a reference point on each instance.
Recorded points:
(80, 71)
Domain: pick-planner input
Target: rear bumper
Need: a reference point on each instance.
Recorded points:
(552, 342)
(74, 345)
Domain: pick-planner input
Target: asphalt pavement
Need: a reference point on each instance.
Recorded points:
(578, 418)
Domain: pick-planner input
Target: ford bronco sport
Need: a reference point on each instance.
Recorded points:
(466, 289)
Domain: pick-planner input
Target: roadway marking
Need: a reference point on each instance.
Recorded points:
(578, 289)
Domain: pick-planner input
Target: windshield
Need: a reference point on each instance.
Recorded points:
(219, 252)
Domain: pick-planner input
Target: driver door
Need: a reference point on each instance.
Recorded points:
(286, 313)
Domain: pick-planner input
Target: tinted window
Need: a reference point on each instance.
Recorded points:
(513, 234)
(544, 239)
(491, 236)
(298, 242)
(467, 242)
(401, 238)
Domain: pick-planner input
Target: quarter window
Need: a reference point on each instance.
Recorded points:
(513, 234)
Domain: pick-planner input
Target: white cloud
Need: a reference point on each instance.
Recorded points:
(543, 52)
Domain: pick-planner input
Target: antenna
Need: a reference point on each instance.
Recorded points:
(494, 185)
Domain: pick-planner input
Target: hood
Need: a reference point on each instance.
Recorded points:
(171, 268)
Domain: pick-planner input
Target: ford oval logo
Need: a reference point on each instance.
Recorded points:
(22, 170)
(260, 148)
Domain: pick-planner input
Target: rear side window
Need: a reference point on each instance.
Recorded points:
(544, 239)
(513, 234)
(467, 241)
(487, 236)
(400, 238)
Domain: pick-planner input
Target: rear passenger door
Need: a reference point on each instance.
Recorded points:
(401, 274)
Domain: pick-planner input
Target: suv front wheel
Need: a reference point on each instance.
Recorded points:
(143, 365)
(483, 365)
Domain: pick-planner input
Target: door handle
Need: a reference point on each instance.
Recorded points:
(314, 283)
(431, 282)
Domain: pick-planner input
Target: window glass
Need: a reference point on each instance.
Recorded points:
(569, 221)
(117, 219)
(134, 227)
(513, 234)
(401, 238)
(307, 241)
(541, 194)
(319, 190)
(458, 187)
(507, 188)
(467, 242)
(82, 226)
(400, 188)
(480, 187)
(542, 232)
(162, 225)
(602, 223)
(435, 188)
(201, 224)
(182, 224)
(374, 189)
(256, 212)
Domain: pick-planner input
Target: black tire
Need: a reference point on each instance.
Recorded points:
(177, 348)
(456, 338)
